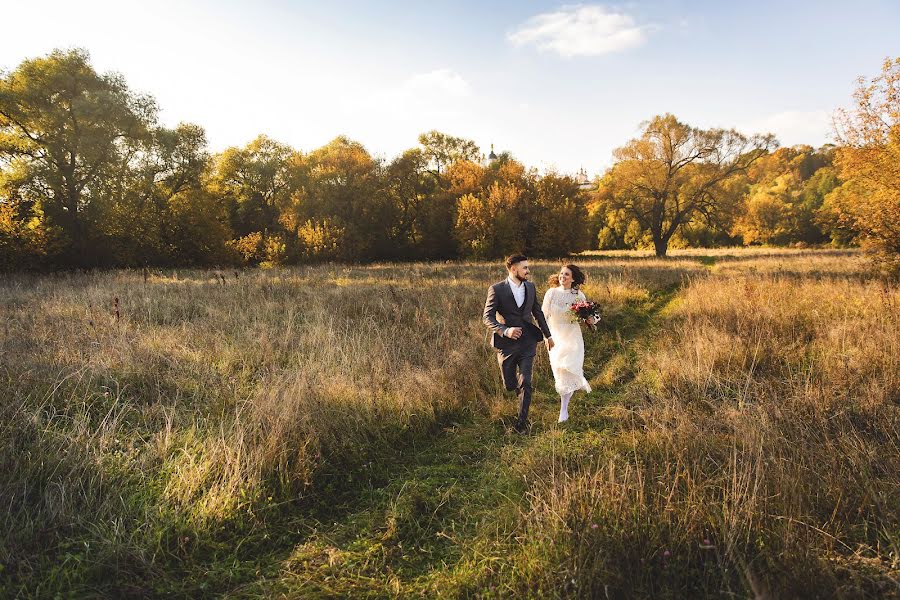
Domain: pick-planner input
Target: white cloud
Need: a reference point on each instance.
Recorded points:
(793, 127)
(436, 90)
(590, 30)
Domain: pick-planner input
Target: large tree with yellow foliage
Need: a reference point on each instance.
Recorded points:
(869, 163)
(674, 173)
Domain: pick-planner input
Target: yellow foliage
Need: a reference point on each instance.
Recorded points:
(250, 247)
(24, 241)
(487, 223)
(869, 161)
(765, 218)
(464, 177)
(320, 240)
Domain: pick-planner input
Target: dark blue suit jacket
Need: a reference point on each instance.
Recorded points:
(500, 300)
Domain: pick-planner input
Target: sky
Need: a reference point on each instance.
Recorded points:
(558, 85)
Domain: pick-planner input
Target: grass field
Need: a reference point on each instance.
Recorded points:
(333, 431)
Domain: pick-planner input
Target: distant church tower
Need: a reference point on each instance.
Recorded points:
(582, 180)
(492, 157)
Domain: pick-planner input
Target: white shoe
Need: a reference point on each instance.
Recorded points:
(563, 417)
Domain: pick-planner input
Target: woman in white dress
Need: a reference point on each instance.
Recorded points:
(567, 354)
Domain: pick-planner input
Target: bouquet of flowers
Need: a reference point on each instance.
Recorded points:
(584, 310)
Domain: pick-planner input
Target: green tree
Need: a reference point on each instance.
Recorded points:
(175, 177)
(198, 229)
(809, 202)
(785, 190)
(67, 129)
(135, 208)
(411, 189)
(257, 184)
(254, 182)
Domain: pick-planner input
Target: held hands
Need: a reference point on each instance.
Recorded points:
(549, 343)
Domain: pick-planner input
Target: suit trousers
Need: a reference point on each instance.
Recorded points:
(518, 357)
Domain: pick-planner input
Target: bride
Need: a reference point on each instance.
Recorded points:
(567, 354)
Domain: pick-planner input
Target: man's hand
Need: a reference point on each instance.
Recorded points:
(549, 342)
(514, 332)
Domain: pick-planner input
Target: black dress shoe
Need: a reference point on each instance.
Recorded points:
(521, 428)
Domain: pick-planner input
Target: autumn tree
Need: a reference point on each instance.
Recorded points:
(463, 178)
(442, 150)
(64, 129)
(413, 192)
(785, 190)
(504, 208)
(561, 224)
(768, 215)
(674, 173)
(253, 180)
(175, 177)
(24, 239)
(869, 163)
(343, 204)
(140, 205)
(491, 210)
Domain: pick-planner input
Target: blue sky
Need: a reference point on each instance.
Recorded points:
(559, 85)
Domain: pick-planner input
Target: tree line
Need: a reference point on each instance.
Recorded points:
(88, 177)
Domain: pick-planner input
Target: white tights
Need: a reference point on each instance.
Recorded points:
(564, 406)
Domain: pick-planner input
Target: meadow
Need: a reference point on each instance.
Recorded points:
(341, 431)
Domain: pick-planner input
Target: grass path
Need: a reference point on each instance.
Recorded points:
(439, 515)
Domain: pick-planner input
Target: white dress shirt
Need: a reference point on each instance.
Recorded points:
(518, 291)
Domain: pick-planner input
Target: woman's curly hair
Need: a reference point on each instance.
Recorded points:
(578, 277)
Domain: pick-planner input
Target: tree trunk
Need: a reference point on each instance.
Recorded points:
(78, 251)
(660, 244)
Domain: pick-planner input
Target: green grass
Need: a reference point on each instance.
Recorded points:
(286, 435)
(440, 522)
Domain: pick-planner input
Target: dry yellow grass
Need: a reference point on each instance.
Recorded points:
(745, 421)
(759, 449)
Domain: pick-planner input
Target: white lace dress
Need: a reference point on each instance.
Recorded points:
(567, 355)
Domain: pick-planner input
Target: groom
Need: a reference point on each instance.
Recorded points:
(516, 338)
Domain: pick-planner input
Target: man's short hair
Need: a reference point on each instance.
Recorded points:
(513, 259)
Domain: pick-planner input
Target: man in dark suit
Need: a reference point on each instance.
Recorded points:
(516, 338)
